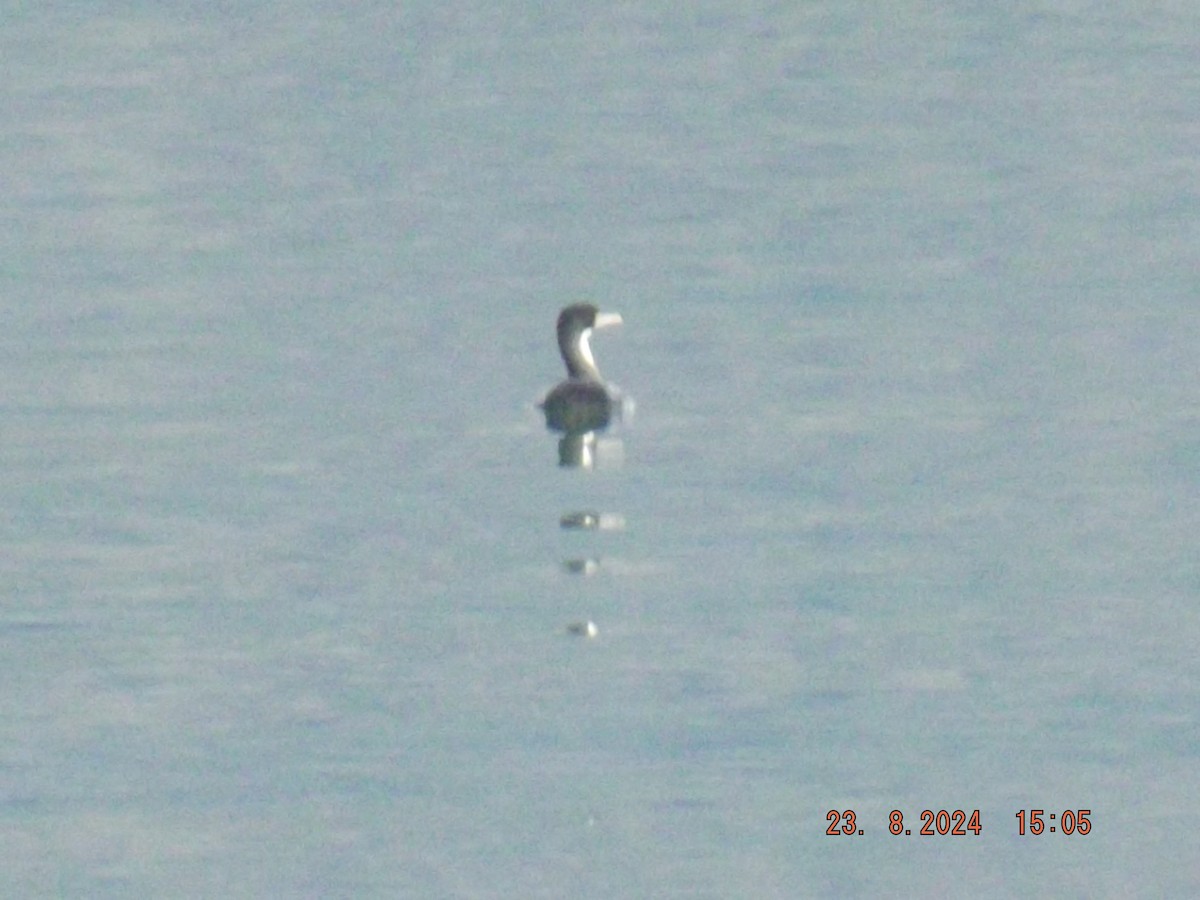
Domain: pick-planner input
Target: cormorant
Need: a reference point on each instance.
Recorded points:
(583, 402)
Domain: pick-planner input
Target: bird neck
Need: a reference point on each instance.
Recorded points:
(577, 354)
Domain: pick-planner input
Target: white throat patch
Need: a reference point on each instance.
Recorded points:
(585, 348)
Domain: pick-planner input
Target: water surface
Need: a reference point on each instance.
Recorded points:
(909, 499)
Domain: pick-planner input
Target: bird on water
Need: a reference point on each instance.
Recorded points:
(583, 402)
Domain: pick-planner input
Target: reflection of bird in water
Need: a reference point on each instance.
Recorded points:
(583, 402)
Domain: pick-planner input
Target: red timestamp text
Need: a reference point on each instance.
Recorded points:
(940, 822)
(945, 822)
(1069, 821)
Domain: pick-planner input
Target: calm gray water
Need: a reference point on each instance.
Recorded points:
(910, 497)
